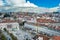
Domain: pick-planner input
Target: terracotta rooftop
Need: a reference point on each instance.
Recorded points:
(44, 37)
(7, 21)
(45, 20)
(56, 37)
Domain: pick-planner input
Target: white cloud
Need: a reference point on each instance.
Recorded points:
(28, 4)
(53, 9)
(1, 3)
(23, 3)
(17, 2)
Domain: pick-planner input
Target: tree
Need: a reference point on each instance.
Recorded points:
(22, 24)
(6, 15)
(13, 37)
(0, 13)
(3, 37)
(5, 29)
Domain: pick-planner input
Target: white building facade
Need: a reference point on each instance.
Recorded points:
(12, 26)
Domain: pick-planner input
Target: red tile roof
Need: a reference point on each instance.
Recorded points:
(45, 20)
(56, 38)
(44, 37)
(7, 21)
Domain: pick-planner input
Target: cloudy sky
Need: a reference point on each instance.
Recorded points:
(40, 3)
(46, 3)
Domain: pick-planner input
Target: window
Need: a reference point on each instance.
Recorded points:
(9, 26)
